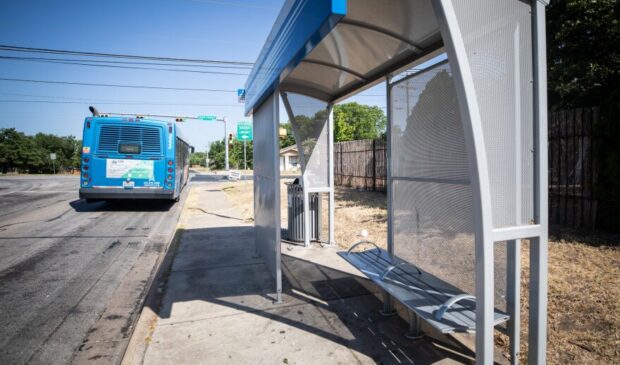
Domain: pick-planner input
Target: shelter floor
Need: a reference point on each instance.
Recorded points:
(218, 303)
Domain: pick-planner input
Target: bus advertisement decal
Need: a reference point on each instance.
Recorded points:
(129, 169)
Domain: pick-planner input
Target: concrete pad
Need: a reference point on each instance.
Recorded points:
(218, 308)
(286, 335)
(215, 253)
(208, 293)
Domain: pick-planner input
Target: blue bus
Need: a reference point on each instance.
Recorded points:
(132, 158)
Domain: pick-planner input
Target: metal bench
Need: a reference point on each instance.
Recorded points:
(443, 306)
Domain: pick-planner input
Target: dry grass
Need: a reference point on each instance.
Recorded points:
(584, 278)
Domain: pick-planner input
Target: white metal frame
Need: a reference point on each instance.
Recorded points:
(486, 235)
(307, 188)
(262, 242)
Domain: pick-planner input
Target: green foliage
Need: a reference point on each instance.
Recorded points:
(198, 159)
(583, 39)
(235, 155)
(353, 121)
(21, 153)
(289, 139)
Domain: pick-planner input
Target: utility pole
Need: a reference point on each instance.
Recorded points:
(207, 158)
(245, 162)
(226, 145)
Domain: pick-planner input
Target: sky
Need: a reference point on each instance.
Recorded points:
(198, 29)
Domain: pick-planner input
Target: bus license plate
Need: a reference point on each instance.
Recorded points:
(128, 184)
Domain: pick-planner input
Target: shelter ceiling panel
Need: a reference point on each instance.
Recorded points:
(359, 49)
(413, 20)
(324, 79)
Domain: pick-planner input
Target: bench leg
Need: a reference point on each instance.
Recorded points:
(388, 305)
(415, 332)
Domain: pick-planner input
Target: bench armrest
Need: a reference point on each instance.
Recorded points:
(360, 243)
(449, 303)
(392, 267)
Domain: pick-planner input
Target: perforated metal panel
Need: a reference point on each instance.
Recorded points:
(431, 196)
(311, 133)
(500, 56)
(267, 186)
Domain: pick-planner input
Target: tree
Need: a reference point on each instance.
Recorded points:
(289, 139)
(353, 121)
(583, 39)
(236, 154)
(198, 159)
(22, 153)
(216, 155)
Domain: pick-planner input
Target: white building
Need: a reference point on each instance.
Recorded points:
(289, 158)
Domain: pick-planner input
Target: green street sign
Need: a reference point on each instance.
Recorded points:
(244, 131)
(207, 117)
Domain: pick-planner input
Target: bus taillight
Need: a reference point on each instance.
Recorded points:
(170, 170)
(169, 177)
(86, 159)
(85, 175)
(85, 167)
(170, 162)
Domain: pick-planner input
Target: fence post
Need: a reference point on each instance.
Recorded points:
(374, 166)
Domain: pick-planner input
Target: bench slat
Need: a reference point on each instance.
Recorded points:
(422, 293)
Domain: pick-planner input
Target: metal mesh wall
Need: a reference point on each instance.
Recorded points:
(311, 133)
(267, 186)
(431, 196)
(498, 42)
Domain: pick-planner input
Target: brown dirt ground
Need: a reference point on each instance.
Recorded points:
(584, 277)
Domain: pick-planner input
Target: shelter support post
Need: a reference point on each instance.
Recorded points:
(513, 298)
(331, 213)
(538, 246)
(389, 187)
(478, 171)
(388, 302)
(267, 188)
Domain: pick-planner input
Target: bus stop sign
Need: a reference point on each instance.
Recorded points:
(244, 131)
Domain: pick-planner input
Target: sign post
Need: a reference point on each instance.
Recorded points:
(213, 118)
(244, 133)
(53, 158)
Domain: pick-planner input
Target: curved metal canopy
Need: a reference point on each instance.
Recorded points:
(331, 49)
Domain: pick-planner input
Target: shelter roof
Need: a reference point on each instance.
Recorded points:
(332, 49)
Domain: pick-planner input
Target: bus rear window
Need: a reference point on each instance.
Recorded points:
(129, 148)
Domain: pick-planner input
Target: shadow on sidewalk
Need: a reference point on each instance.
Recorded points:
(220, 267)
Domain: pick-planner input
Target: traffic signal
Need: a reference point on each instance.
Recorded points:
(230, 137)
(179, 120)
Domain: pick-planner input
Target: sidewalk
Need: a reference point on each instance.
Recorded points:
(217, 306)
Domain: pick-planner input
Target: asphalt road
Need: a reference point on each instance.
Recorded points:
(73, 274)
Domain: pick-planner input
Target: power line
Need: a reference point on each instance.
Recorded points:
(115, 85)
(111, 101)
(234, 67)
(117, 55)
(96, 102)
(118, 66)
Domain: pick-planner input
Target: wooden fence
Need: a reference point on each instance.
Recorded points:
(361, 164)
(572, 168)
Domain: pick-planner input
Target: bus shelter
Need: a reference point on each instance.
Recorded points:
(466, 142)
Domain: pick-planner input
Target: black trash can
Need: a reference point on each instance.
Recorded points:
(296, 213)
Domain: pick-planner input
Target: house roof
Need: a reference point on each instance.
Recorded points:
(288, 149)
